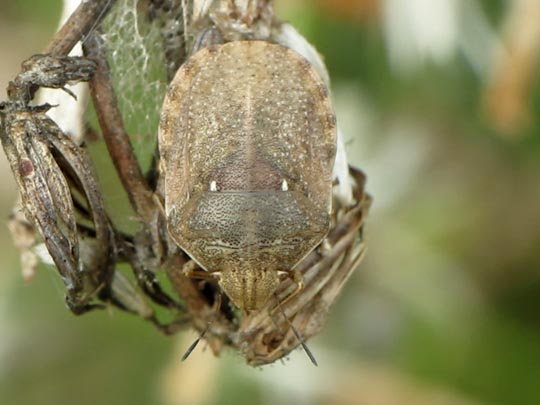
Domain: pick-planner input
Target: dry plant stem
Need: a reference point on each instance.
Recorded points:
(81, 22)
(114, 134)
(42, 156)
(85, 19)
(81, 168)
(23, 152)
(148, 245)
(38, 152)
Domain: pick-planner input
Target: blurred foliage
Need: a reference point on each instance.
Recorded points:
(447, 303)
(43, 13)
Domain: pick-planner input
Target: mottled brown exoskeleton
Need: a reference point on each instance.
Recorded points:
(247, 141)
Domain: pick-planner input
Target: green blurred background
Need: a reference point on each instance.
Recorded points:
(439, 103)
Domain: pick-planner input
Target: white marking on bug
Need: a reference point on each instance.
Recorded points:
(284, 185)
(213, 185)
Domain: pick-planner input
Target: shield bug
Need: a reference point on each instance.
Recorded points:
(247, 142)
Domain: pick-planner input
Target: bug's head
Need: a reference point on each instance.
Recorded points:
(249, 289)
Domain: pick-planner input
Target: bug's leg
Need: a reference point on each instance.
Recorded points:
(296, 277)
(191, 270)
(148, 249)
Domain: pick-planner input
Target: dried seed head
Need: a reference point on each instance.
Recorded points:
(247, 138)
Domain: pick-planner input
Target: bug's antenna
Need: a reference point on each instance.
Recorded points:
(217, 306)
(298, 336)
(194, 344)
